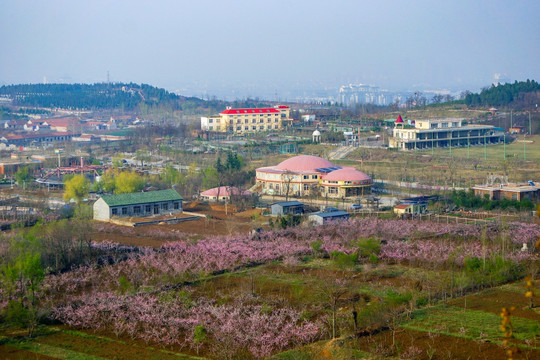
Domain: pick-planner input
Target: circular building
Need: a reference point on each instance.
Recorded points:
(306, 175)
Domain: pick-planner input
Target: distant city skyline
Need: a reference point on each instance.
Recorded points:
(271, 49)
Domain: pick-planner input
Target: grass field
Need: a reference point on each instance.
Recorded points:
(463, 167)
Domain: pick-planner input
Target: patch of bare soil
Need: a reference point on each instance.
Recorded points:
(494, 300)
(411, 344)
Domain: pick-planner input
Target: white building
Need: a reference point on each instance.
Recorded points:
(442, 133)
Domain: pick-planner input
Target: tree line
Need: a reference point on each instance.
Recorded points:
(505, 94)
(127, 96)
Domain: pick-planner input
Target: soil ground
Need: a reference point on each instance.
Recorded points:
(217, 222)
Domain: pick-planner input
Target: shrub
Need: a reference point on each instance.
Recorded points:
(343, 260)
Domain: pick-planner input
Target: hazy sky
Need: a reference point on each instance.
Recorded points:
(200, 45)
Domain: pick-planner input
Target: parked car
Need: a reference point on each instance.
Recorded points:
(330, 209)
(356, 206)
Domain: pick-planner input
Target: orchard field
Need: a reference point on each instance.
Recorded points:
(364, 288)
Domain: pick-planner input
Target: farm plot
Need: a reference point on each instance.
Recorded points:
(245, 296)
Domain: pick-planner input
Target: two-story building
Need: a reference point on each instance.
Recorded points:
(442, 133)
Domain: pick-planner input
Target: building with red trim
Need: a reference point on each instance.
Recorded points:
(241, 121)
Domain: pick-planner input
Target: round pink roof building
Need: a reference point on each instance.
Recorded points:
(304, 163)
(306, 174)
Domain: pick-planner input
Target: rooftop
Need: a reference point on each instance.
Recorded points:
(339, 213)
(250, 111)
(225, 191)
(288, 203)
(141, 197)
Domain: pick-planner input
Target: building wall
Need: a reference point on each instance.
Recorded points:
(245, 123)
(213, 123)
(101, 210)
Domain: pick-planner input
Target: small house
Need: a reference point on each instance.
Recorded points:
(287, 207)
(139, 204)
(408, 209)
(322, 218)
(224, 193)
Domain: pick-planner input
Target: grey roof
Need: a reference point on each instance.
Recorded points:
(331, 214)
(288, 203)
(141, 197)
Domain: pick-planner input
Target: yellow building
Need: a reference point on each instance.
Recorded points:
(241, 121)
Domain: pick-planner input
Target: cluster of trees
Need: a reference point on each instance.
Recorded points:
(504, 94)
(332, 137)
(45, 248)
(88, 96)
(468, 200)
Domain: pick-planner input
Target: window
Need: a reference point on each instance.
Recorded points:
(332, 190)
(124, 211)
(246, 128)
(147, 208)
(210, 128)
(253, 128)
(306, 187)
(176, 205)
(210, 121)
(136, 209)
(313, 176)
(276, 127)
(114, 211)
(165, 206)
(306, 177)
(514, 196)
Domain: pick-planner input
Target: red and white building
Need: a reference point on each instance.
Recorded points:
(241, 121)
(306, 175)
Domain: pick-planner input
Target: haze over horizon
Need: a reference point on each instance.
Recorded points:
(260, 48)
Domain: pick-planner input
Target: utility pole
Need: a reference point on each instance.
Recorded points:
(504, 147)
(485, 147)
(530, 127)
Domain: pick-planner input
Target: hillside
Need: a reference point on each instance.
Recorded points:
(92, 96)
(519, 95)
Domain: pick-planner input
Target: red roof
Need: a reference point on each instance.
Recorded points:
(249, 111)
(282, 107)
(402, 206)
(35, 136)
(399, 120)
(225, 191)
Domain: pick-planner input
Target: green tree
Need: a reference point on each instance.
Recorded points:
(106, 183)
(22, 176)
(128, 182)
(210, 178)
(76, 188)
(143, 156)
(21, 278)
(170, 175)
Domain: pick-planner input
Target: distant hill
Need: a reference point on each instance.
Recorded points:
(93, 96)
(519, 94)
